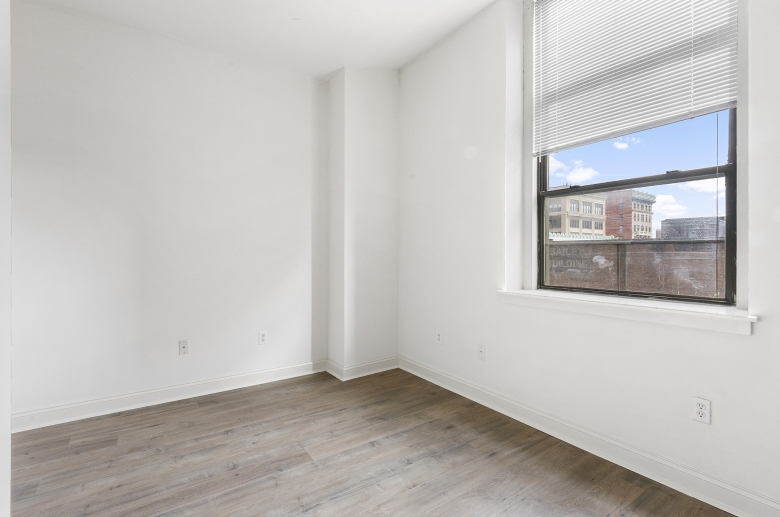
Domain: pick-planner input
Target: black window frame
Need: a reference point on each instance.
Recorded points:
(728, 171)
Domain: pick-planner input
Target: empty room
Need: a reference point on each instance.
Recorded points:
(390, 258)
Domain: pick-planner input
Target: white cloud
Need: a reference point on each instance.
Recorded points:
(622, 143)
(710, 186)
(573, 176)
(581, 174)
(556, 165)
(667, 206)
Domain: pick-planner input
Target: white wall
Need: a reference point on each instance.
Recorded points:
(364, 216)
(5, 258)
(162, 192)
(627, 382)
(336, 128)
(371, 223)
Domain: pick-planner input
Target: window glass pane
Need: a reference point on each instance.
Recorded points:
(676, 245)
(689, 144)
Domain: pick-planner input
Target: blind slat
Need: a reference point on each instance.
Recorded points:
(609, 68)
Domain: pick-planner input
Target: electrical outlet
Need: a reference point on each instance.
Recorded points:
(184, 346)
(438, 337)
(262, 337)
(701, 410)
(481, 352)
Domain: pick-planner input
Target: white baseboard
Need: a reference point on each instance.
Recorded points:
(360, 370)
(27, 420)
(719, 493)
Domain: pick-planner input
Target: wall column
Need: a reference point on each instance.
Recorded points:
(363, 149)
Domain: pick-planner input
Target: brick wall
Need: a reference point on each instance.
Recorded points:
(685, 268)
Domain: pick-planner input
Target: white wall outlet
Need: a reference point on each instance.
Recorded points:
(184, 346)
(701, 410)
(438, 337)
(481, 352)
(262, 337)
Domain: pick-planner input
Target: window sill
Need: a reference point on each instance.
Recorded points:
(681, 314)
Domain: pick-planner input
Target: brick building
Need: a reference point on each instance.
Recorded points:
(684, 268)
(629, 214)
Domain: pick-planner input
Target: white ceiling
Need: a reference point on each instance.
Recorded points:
(311, 36)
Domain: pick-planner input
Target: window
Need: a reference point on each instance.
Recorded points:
(555, 221)
(587, 207)
(687, 259)
(555, 206)
(638, 106)
(574, 223)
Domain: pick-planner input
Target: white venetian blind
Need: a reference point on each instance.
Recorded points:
(607, 68)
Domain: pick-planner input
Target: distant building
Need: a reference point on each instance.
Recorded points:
(555, 236)
(580, 216)
(693, 228)
(630, 214)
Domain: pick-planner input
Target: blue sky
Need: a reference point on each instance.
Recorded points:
(690, 144)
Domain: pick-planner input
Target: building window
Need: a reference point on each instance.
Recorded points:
(574, 223)
(555, 221)
(671, 147)
(555, 206)
(599, 209)
(587, 207)
(587, 225)
(598, 225)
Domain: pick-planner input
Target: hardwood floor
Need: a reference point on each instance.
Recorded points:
(389, 444)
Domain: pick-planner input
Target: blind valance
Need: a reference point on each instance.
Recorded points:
(612, 67)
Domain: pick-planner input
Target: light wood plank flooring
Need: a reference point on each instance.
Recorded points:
(389, 444)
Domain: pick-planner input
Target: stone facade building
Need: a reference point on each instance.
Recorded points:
(577, 216)
(693, 228)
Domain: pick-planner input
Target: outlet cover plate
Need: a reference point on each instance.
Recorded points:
(701, 410)
(184, 346)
